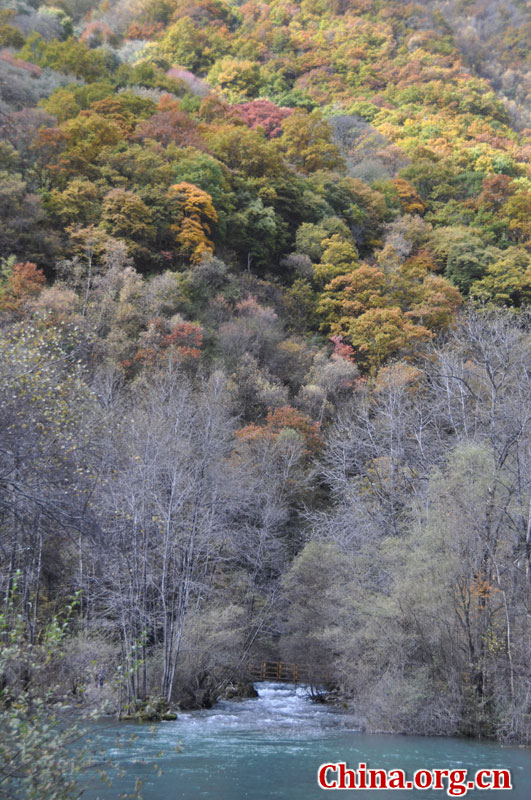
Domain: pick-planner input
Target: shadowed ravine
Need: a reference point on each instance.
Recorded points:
(271, 747)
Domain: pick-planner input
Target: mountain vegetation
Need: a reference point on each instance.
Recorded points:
(265, 355)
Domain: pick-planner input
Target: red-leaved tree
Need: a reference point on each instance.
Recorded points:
(265, 114)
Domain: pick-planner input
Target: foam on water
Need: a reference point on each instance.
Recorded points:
(278, 706)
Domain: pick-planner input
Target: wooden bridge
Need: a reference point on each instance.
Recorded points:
(278, 671)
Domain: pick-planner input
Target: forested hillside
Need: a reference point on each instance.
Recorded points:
(265, 354)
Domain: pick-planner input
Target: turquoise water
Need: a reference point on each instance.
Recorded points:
(271, 747)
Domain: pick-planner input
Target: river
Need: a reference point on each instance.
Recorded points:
(270, 748)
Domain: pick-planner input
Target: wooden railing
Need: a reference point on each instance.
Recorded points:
(277, 671)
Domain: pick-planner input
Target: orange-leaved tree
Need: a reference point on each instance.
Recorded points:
(18, 282)
(281, 419)
(382, 310)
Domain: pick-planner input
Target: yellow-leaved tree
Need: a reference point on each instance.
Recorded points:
(195, 214)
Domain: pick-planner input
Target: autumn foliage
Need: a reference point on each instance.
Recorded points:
(265, 114)
(275, 396)
(195, 216)
(181, 345)
(23, 280)
(281, 419)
